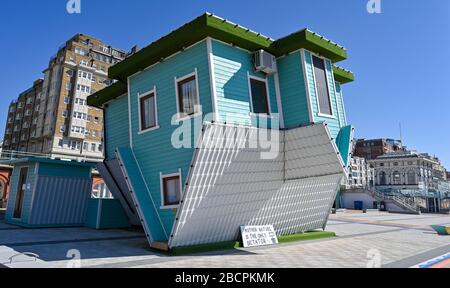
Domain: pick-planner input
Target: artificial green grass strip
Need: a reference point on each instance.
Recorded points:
(306, 236)
(312, 235)
(177, 251)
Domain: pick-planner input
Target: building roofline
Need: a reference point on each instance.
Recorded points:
(210, 25)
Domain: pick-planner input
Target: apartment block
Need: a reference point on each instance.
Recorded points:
(21, 124)
(53, 118)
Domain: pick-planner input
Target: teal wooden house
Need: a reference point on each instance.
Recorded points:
(174, 105)
(49, 193)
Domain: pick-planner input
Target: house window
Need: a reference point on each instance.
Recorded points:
(323, 94)
(259, 96)
(187, 95)
(147, 111)
(171, 190)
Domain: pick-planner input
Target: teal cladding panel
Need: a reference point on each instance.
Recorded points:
(293, 91)
(106, 214)
(117, 130)
(143, 196)
(112, 215)
(60, 170)
(231, 68)
(333, 121)
(154, 149)
(27, 201)
(92, 213)
(343, 141)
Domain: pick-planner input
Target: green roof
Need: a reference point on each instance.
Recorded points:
(342, 75)
(107, 94)
(209, 25)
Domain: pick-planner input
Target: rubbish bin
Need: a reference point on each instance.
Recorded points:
(359, 205)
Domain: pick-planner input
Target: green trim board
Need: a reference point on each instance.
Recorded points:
(310, 41)
(107, 94)
(342, 75)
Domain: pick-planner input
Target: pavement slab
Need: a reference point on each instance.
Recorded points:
(364, 240)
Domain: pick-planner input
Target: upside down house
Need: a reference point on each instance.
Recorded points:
(177, 104)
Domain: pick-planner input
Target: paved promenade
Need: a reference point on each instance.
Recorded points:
(364, 240)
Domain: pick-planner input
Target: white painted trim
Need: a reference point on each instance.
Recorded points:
(250, 77)
(129, 114)
(212, 75)
(308, 91)
(181, 117)
(15, 199)
(335, 92)
(149, 130)
(161, 186)
(315, 84)
(140, 96)
(326, 116)
(279, 102)
(343, 104)
(36, 172)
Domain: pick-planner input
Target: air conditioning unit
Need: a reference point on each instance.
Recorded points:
(265, 62)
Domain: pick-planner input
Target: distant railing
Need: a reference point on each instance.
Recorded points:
(407, 202)
(13, 155)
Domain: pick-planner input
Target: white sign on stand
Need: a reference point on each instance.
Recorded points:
(253, 236)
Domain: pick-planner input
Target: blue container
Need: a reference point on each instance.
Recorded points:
(359, 205)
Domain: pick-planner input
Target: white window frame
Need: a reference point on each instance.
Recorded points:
(180, 116)
(161, 185)
(249, 78)
(320, 114)
(140, 96)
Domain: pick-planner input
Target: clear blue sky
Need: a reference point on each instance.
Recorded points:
(400, 57)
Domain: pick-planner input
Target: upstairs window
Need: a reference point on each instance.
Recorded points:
(171, 190)
(187, 95)
(259, 96)
(323, 93)
(147, 111)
